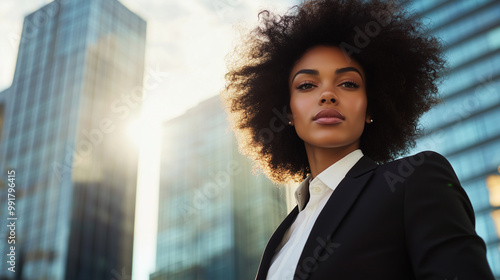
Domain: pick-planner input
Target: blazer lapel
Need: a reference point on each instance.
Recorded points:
(274, 242)
(319, 246)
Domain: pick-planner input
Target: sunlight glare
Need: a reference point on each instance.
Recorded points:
(143, 130)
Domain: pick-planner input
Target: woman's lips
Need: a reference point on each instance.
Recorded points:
(328, 116)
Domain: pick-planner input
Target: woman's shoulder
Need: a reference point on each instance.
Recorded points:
(422, 168)
(419, 160)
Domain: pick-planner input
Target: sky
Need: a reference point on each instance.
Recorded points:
(187, 43)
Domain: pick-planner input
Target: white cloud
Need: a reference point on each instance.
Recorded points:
(190, 39)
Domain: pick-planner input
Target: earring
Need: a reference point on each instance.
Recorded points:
(371, 120)
(290, 123)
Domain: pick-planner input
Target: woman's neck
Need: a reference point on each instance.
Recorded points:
(322, 158)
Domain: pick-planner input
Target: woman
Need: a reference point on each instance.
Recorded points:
(329, 94)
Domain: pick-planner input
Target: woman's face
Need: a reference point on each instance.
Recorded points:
(328, 99)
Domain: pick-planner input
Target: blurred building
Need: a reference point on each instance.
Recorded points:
(76, 86)
(215, 215)
(3, 107)
(466, 126)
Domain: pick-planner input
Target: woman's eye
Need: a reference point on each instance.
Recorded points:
(305, 86)
(349, 85)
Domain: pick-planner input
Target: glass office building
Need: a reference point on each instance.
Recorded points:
(3, 107)
(75, 88)
(215, 214)
(465, 127)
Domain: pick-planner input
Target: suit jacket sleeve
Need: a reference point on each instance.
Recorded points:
(439, 222)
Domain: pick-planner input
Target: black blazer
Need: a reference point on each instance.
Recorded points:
(407, 219)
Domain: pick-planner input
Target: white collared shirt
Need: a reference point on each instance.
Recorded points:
(311, 197)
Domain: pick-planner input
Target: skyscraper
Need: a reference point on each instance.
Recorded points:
(76, 86)
(3, 108)
(215, 215)
(465, 127)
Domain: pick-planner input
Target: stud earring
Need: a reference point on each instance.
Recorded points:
(290, 123)
(371, 120)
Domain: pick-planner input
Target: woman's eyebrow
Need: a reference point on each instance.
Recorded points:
(338, 71)
(306, 71)
(348, 69)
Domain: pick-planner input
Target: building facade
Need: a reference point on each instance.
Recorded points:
(3, 107)
(215, 215)
(465, 127)
(74, 91)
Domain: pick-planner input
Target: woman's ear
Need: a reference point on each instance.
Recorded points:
(368, 119)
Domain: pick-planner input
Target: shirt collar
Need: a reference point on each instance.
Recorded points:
(331, 177)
